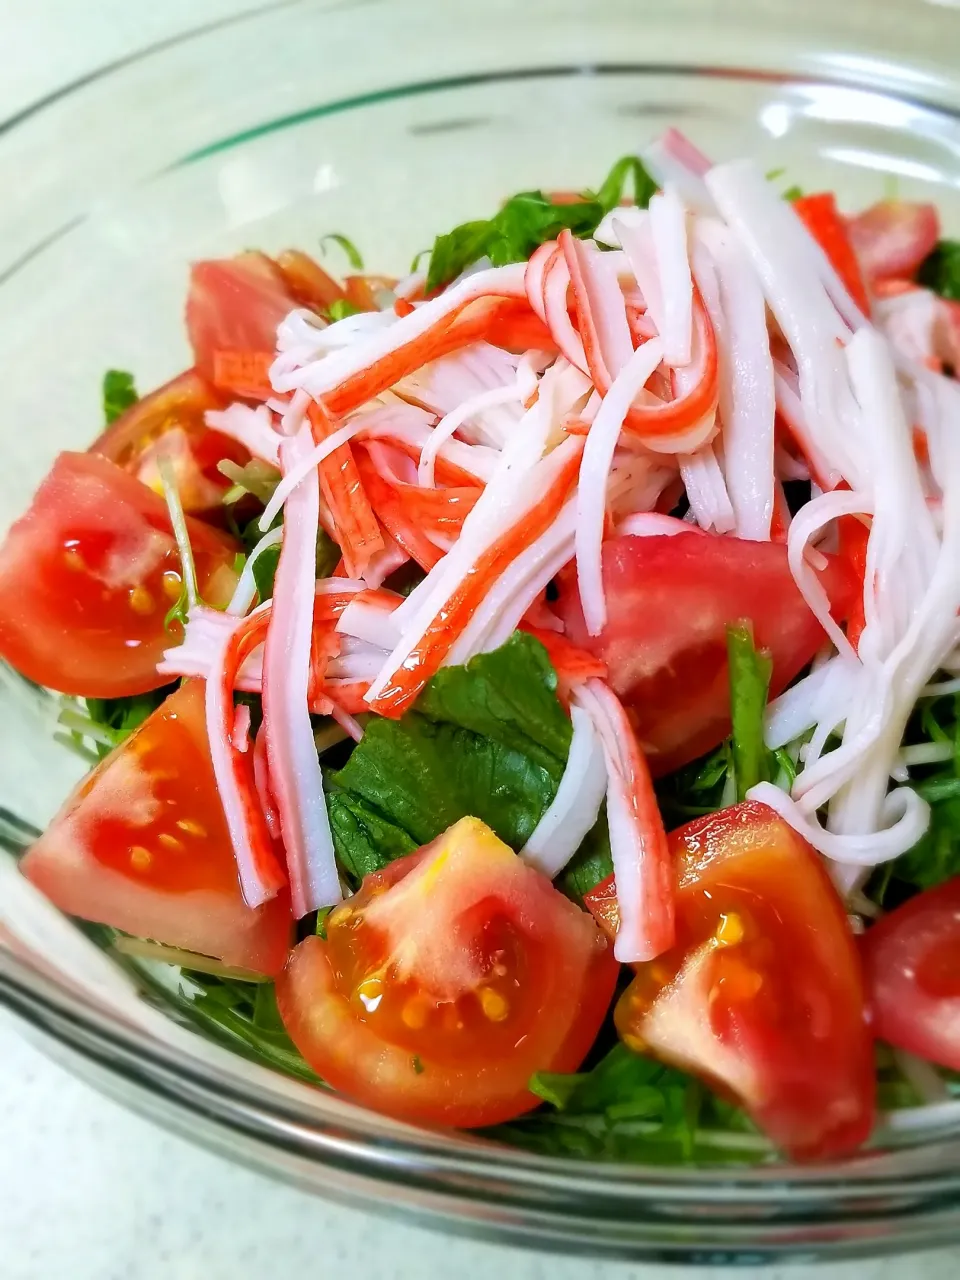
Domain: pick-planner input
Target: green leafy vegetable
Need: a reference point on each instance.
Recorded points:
(119, 393)
(793, 193)
(488, 739)
(749, 681)
(95, 729)
(265, 571)
(509, 695)
(349, 248)
(936, 855)
(591, 863)
(940, 271)
(627, 175)
(531, 218)
(265, 565)
(699, 788)
(632, 1108)
(340, 308)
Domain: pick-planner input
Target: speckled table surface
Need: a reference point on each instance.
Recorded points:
(89, 1191)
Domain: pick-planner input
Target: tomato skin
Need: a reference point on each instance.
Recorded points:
(142, 845)
(763, 995)
(235, 304)
(660, 591)
(446, 982)
(912, 963)
(176, 407)
(87, 576)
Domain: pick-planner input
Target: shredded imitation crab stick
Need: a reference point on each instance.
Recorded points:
(344, 494)
(261, 876)
(562, 399)
(427, 656)
(295, 775)
(638, 842)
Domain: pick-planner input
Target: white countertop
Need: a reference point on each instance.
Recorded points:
(89, 1191)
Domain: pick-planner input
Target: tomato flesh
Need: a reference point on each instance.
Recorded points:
(235, 304)
(142, 845)
(762, 995)
(912, 962)
(174, 414)
(446, 982)
(87, 577)
(669, 602)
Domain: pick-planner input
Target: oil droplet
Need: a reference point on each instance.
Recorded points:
(495, 1007)
(141, 601)
(370, 993)
(140, 858)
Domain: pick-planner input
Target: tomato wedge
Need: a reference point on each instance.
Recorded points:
(669, 601)
(87, 577)
(235, 304)
(452, 976)
(142, 846)
(893, 237)
(912, 961)
(174, 414)
(762, 995)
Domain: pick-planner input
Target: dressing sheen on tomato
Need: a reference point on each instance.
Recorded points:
(88, 575)
(912, 962)
(452, 976)
(174, 415)
(142, 845)
(669, 602)
(762, 996)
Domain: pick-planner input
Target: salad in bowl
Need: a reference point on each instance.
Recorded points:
(523, 696)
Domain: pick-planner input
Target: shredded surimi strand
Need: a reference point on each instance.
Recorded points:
(296, 779)
(500, 432)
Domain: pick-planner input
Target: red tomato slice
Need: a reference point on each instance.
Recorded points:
(235, 304)
(669, 601)
(893, 237)
(364, 291)
(762, 995)
(452, 976)
(174, 414)
(142, 845)
(87, 577)
(307, 281)
(912, 962)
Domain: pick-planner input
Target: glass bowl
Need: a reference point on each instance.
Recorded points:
(392, 120)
